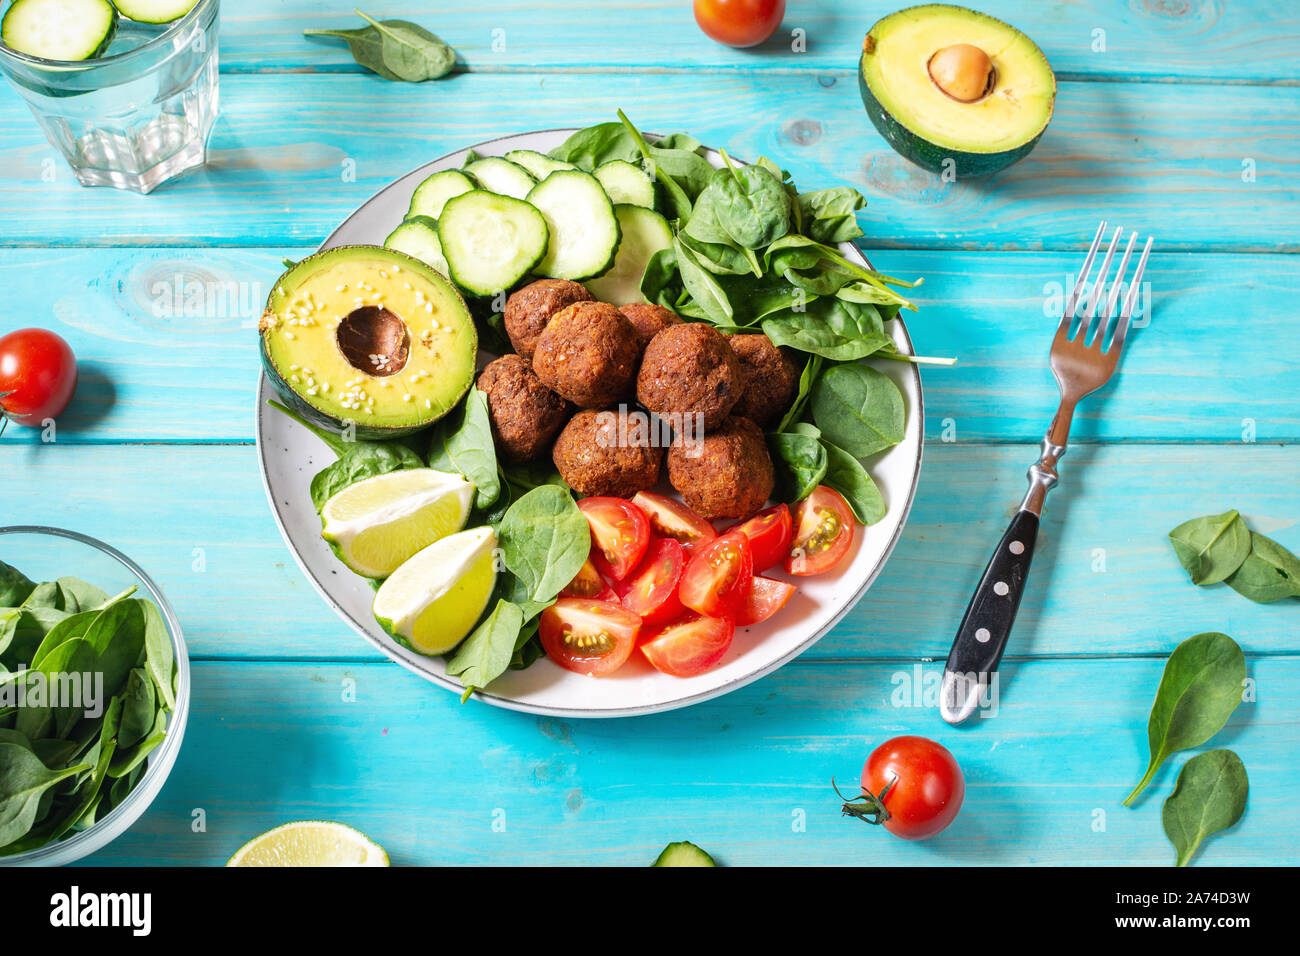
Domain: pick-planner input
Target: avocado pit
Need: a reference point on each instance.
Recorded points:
(963, 72)
(374, 340)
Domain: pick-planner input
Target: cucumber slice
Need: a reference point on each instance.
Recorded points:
(538, 165)
(683, 854)
(501, 176)
(59, 29)
(154, 11)
(418, 237)
(491, 241)
(625, 183)
(432, 194)
(584, 232)
(644, 232)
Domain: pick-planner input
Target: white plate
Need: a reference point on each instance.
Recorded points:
(290, 455)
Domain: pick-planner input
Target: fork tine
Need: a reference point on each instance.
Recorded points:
(1115, 289)
(1098, 288)
(1131, 299)
(1067, 316)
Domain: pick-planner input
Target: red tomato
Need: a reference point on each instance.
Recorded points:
(38, 374)
(718, 580)
(587, 636)
(769, 535)
(739, 22)
(917, 783)
(766, 597)
(620, 534)
(823, 532)
(669, 518)
(651, 590)
(589, 584)
(690, 646)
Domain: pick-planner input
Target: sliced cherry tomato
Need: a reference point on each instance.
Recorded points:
(589, 584)
(689, 646)
(769, 535)
(651, 590)
(718, 579)
(823, 532)
(38, 374)
(911, 785)
(620, 533)
(669, 518)
(766, 597)
(739, 22)
(587, 636)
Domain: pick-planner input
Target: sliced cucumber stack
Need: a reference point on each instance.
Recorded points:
(538, 165)
(432, 194)
(583, 229)
(491, 241)
(501, 176)
(154, 11)
(418, 237)
(59, 29)
(644, 232)
(625, 183)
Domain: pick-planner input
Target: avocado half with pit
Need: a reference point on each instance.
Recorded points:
(367, 336)
(942, 82)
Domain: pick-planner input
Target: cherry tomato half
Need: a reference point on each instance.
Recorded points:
(669, 518)
(651, 590)
(589, 584)
(38, 374)
(917, 781)
(689, 646)
(588, 636)
(739, 22)
(719, 577)
(769, 535)
(823, 532)
(766, 597)
(620, 534)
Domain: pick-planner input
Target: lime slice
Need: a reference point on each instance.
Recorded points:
(431, 602)
(376, 524)
(310, 843)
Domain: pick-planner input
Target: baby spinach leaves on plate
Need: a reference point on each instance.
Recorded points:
(858, 409)
(799, 460)
(395, 49)
(1210, 796)
(462, 443)
(1222, 548)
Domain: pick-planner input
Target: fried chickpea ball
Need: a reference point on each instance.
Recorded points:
(596, 454)
(529, 309)
(689, 369)
(588, 354)
(526, 415)
(648, 320)
(770, 379)
(724, 473)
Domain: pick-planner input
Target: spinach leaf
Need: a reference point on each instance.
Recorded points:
(362, 460)
(1269, 573)
(1200, 688)
(827, 215)
(799, 460)
(751, 206)
(78, 595)
(595, 145)
(1210, 796)
(703, 286)
(396, 49)
(544, 541)
(160, 655)
(830, 327)
(846, 475)
(486, 654)
(1212, 547)
(858, 408)
(807, 378)
(138, 708)
(23, 781)
(462, 443)
(14, 586)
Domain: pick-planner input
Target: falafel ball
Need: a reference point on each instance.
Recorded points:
(526, 415)
(770, 378)
(690, 368)
(529, 309)
(596, 455)
(725, 474)
(648, 319)
(588, 354)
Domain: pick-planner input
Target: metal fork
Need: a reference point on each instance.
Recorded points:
(1082, 362)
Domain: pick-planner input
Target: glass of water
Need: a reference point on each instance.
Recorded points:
(137, 116)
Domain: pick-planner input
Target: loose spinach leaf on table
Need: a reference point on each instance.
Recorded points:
(1201, 686)
(858, 409)
(1212, 547)
(1269, 573)
(462, 443)
(1210, 796)
(396, 49)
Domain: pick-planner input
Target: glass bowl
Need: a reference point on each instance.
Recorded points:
(44, 554)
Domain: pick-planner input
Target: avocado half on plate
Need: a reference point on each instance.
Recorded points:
(367, 336)
(942, 82)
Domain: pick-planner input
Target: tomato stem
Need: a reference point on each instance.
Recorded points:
(867, 807)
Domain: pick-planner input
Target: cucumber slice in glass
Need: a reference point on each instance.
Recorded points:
(70, 30)
(154, 11)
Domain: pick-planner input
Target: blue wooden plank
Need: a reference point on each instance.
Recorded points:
(1210, 169)
(1105, 580)
(1239, 42)
(746, 776)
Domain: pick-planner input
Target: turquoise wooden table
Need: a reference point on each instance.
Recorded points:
(1178, 119)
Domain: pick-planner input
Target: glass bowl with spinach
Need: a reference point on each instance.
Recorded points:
(94, 694)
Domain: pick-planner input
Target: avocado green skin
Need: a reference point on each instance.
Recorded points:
(926, 154)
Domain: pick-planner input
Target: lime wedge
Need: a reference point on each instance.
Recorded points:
(310, 843)
(433, 600)
(376, 524)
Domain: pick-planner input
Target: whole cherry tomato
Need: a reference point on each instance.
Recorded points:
(38, 374)
(739, 22)
(910, 785)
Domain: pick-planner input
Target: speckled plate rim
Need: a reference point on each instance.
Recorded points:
(395, 653)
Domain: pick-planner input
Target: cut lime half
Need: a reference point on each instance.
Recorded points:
(310, 843)
(376, 524)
